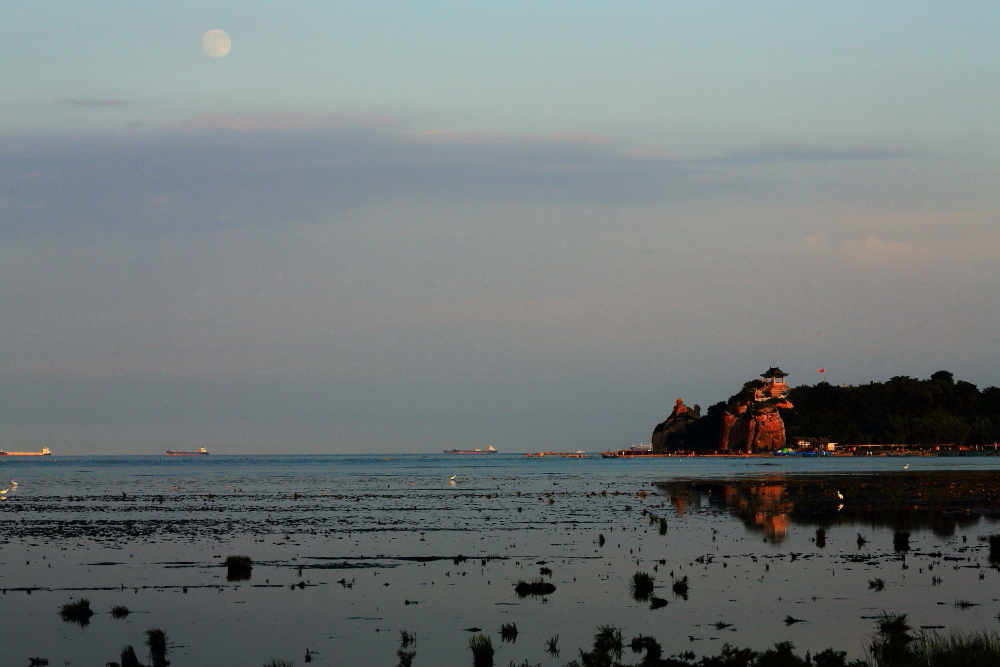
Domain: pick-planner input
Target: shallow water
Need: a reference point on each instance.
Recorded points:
(349, 551)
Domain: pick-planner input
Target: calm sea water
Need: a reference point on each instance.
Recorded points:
(112, 473)
(349, 551)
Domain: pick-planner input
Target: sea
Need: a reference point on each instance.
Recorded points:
(373, 559)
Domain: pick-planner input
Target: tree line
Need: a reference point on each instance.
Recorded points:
(902, 410)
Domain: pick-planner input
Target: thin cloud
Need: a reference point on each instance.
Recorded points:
(278, 122)
(793, 152)
(220, 171)
(76, 102)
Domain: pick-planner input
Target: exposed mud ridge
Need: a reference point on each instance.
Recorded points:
(110, 518)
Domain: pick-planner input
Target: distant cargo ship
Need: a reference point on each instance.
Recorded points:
(201, 452)
(488, 450)
(45, 452)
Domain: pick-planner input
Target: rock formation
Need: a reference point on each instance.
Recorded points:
(672, 429)
(749, 422)
(753, 429)
(752, 422)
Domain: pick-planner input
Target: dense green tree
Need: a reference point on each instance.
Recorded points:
(903, 410)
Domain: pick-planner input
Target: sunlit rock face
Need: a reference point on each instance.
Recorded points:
(674, 425)
(752, 422)
(763, 431)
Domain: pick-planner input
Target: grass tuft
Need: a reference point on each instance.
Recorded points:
(537, 588)
(78, 612)
(641, 586)
(552, 646)
(405, 657)
(482, 650)
(680, 587)
(156, 642)
(129, 658)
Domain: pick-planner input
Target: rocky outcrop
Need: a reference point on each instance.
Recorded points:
(752, 422)
(749, 422)
(671, 431)
(753, 427)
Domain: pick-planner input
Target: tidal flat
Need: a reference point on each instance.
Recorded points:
(348, 562)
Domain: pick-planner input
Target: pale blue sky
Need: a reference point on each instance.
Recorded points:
(402, 226)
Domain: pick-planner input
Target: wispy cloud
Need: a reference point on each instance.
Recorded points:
(76, 102)
(239, 170)
(277, 122)
(794, 152)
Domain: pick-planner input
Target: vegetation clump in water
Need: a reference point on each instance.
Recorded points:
(680, 587)
(129, 658)
(156, 642)
(482, 650)
(537, 588)
(120, 611)
(508, 632)
(78, 612)
(641, 586)
(405, 655)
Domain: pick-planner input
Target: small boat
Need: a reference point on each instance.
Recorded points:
(45, 452)
(201, 452)
(488, 450)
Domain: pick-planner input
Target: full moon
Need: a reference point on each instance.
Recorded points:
(216, 43)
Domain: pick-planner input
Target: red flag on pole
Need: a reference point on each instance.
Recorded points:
(822, 370)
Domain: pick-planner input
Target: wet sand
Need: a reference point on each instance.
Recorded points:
(342, 574)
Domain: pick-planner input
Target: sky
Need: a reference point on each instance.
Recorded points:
(411, 226)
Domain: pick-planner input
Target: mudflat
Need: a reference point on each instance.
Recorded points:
(351, 569)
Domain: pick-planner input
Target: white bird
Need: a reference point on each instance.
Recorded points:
(906, 466)
(13, 483)
(452, 478)
(4, 491)
(840, 495)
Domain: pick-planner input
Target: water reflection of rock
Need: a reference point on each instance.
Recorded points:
(940, 501)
